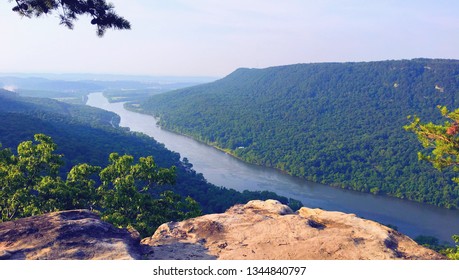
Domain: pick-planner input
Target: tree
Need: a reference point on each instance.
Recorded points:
(102, 13)
(443, 143)
(121, 192)
(26, 178)
(125, 198)
(453, 253)
(441, 140)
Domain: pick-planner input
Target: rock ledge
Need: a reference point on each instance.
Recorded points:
(256, 230)
(270, 230)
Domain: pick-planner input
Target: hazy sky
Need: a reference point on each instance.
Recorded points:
(213, 38)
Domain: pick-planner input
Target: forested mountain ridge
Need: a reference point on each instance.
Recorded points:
(335, 123)
(88, 135)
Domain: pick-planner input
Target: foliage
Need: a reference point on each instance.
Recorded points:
(25, 179)
(334, 123)
(442, 142)
(30, 185)
(124, 192)
(433, 243)
(102, 14)
(453, 253)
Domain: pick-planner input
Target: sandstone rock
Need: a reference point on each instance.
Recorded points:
(75, 234)
(256, 230)
(270, 230)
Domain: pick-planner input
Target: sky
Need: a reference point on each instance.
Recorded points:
(215, 37)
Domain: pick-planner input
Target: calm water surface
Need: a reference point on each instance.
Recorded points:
(221, 169)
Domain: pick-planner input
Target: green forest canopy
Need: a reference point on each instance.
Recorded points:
(335, 123)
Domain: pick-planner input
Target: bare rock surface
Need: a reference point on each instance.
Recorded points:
(270, 230)
(256, 230)
(75, 234)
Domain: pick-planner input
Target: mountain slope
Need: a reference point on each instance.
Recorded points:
(335, 123)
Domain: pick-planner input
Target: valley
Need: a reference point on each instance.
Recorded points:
(221, 169)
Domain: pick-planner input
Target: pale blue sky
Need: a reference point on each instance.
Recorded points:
(213, 38)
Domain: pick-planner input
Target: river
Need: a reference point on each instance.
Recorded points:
(221, 169)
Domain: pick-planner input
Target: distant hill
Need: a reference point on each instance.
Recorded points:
(334, 123)
(69, 89)
(88, 135)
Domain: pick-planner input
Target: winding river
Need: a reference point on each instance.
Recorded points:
(411, 218)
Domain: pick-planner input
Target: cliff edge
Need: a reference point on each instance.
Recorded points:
(256, 230)
(270, 230)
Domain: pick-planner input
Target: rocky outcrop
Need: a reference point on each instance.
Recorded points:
(256, 230)
(270, 230)
(75, 234)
